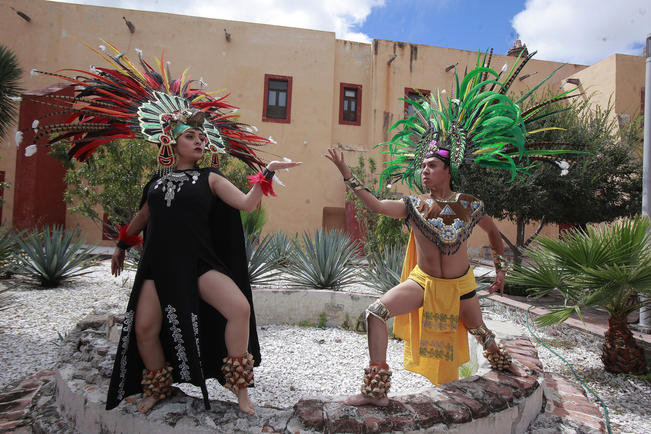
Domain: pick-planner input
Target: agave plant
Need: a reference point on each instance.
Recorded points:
(384, 267)
(8, 250)
(327, 261)
(53, 255)
(132, 258)
(282, 246)
(607, 266)
(262, 260)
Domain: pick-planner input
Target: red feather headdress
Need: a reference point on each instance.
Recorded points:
(126, 102)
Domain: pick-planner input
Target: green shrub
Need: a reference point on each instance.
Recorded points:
(52, 256)
(327, 261)
(323, 320)
(253, 222)
(385, 267)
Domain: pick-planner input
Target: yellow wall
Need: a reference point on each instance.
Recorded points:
(317, 62)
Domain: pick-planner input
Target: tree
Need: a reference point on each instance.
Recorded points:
(600, 185)
(607, 266)
(110, 182)
(380, 232)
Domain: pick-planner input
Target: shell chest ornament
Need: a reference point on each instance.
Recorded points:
(447, 223)
(172, 182)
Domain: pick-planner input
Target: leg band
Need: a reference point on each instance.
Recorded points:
(377, 380)
(238, 372)
(157, 383)
(483, 335)
(378, 310)
(500, 359)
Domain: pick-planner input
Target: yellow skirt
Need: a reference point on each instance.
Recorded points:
(436, 341)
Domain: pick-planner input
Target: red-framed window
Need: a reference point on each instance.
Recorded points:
(277, 98)
(350, 104)
(413, 94)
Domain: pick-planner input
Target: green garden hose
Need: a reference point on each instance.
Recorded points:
(573, 372)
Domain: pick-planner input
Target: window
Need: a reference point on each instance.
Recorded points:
(414, 95)
(350, 104)
(277, 98)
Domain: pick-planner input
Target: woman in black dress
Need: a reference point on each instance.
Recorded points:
(186, 270)
(190, 315)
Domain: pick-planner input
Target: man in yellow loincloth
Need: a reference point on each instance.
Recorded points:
(436, 305)
(436, 302)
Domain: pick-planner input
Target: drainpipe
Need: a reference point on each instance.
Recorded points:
(645, 312)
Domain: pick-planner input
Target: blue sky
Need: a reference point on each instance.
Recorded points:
(575, 31)
(467, 25)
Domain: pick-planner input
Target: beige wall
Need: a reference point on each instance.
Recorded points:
(618, 79)
(316, 61)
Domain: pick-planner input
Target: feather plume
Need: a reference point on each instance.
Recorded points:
(30, 150)
(476, 126)
(111, 102)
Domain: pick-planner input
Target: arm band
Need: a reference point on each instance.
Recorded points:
(500, 263)
(355, 184)
(268, 173)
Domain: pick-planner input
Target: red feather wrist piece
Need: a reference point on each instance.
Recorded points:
(265, 183)
(129, 240)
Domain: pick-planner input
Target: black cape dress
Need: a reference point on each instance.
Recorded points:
(189, 232)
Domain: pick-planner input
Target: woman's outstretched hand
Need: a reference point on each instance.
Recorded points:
(279, 165)
(337, 158)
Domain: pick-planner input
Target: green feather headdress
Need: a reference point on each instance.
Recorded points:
(478, 124)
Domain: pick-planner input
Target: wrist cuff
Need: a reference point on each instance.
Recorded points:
(122, 245)
(269, 174)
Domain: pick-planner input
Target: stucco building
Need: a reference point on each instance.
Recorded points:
(305, 88)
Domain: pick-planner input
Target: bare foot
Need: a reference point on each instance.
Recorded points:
(146, 404)
(360, 399)
(246, 406)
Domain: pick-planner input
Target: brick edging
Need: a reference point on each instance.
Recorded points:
(473, 404)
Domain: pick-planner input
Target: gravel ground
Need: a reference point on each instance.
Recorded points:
(297, 362)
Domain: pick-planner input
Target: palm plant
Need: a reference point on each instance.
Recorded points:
(53, 255)
(263, 262)
(327, 261)
(10, 74)
(384, 267)
(607, 266)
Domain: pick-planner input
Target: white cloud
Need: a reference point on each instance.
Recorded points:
(339, 16)
(583, 31)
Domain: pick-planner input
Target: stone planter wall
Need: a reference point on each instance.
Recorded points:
(296, 306)
(495, 402)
